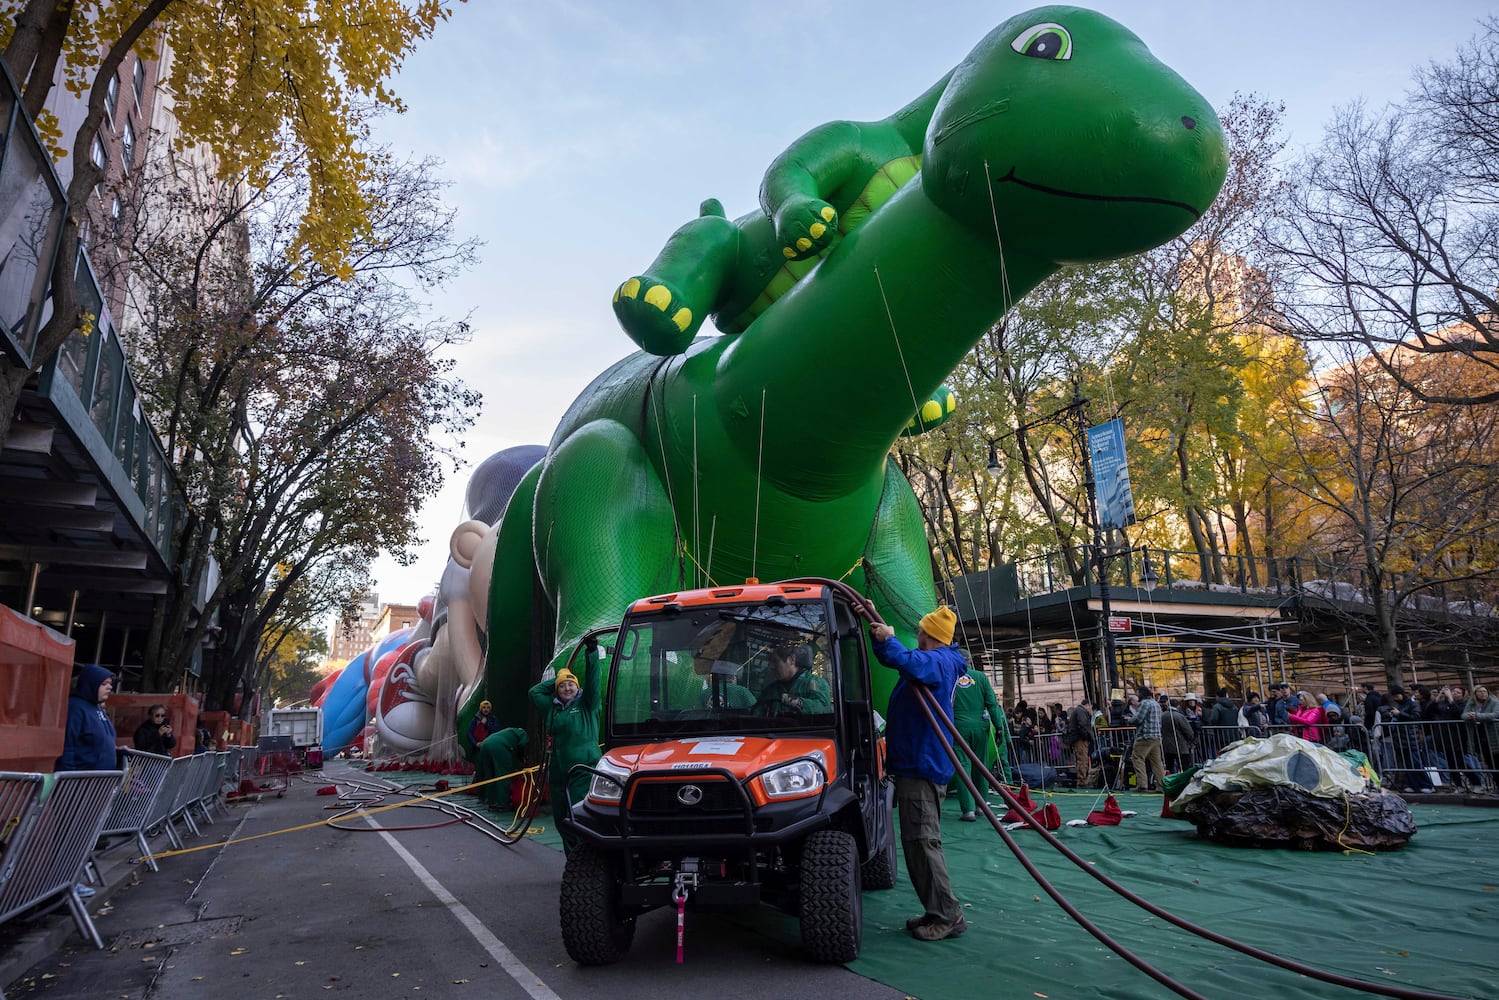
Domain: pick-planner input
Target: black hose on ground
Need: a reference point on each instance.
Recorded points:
(934, 713)
(927, 701)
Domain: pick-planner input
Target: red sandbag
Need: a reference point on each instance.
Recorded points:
(1109, 815)
(1011, 816)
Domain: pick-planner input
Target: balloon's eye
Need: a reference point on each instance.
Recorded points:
(1044, 41)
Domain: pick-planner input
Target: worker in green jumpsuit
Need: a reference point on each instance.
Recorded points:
(570, 711)
(794, 689)
(724, 691)
(972, 695)
(501, 753)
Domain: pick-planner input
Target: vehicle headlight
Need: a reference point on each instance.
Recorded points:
(800, 777)
(608, 789)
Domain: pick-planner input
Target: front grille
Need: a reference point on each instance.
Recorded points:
(659, 798)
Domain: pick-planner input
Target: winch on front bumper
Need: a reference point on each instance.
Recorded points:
(700, 831)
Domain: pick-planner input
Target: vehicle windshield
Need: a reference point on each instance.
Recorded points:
(727, 668)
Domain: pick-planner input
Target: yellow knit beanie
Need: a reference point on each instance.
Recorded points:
(940, 624)
(564, 675)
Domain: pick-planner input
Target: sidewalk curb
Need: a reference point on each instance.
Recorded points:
(45, 936)
(48, 935)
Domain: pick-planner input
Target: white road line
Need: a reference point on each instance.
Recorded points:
(527, 980)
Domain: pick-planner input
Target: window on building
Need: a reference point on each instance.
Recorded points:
(127, 146)
(112, 95)
(114, 217)
(98, 154)
(138, 80)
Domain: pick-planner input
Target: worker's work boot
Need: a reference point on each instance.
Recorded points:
(938, 930)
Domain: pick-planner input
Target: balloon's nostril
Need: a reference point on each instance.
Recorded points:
(1189, 122)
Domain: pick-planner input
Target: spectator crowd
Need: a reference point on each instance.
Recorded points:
(1418, 739)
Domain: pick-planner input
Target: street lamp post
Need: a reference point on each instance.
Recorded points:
(1099, 562)
(1097, 558)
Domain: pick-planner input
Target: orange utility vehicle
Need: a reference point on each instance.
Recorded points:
(743, 763)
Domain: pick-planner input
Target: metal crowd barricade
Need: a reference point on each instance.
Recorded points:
(249, 762)
(1045, 750)
(145, 780)
(184, 777)
(162, 809)
(20, 794)
(190, 793)
(1407, 756)
(212, 789)
(1424, 756)
(53, 849)
(233, 766)
(1216, 738)
(207, 768)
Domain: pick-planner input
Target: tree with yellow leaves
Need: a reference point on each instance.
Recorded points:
(261, 83)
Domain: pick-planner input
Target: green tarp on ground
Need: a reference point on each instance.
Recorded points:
(1424, 917)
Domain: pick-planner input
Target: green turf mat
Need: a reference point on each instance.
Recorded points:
(1424, 916)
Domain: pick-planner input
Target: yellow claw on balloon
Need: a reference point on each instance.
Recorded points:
(629, 289)
(683, 319)
(828, 213)
(659, 297)
(817, 230)
(788, 252)
(804, 244)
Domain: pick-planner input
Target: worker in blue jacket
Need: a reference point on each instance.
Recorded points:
(89, 743)
(919, 765)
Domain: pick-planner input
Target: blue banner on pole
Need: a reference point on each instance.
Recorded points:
(1116, 503)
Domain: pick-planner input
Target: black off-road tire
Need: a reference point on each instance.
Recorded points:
(592, 930)
(880, 871)
(832, 905)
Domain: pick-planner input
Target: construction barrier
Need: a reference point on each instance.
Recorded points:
(128, 711)
(36, 667)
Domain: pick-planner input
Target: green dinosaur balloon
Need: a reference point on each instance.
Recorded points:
(882, 253)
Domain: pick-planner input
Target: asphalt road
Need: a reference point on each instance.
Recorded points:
(321, 912)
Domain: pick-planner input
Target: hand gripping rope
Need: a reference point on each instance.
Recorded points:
(941, 724)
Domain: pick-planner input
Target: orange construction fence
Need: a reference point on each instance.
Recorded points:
(128, 711)
(241, 733)
(36, 667)
(227, 731)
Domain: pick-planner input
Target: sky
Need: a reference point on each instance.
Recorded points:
(578, 135)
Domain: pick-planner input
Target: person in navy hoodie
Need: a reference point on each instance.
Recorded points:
(89, 744)
(920, 766)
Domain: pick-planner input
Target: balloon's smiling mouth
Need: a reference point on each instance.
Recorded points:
(1010, 178)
